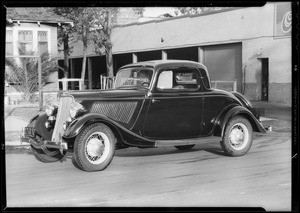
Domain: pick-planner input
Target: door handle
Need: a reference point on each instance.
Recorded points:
(154, 101)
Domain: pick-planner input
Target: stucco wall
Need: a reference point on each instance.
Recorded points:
(224, 27)
(278, 51)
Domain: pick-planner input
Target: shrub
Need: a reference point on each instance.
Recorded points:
(22, 73)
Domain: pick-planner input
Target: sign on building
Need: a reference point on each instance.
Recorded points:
(283, 19)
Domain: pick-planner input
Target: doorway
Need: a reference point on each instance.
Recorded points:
(224, 62)
(264, 79)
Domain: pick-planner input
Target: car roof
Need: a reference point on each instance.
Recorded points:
(160, 63)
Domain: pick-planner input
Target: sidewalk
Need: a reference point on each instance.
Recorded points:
(280, 115)
(274, 110)
(18, 116)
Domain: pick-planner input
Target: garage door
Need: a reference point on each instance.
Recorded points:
(224, 63)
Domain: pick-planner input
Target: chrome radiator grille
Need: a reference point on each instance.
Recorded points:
(119, 111)
(62, 115)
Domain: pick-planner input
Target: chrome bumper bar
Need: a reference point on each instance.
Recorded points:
(268, 128)
(44, 144)
(267, 123)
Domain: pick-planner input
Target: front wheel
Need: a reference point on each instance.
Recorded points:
(47, 155)
(238, 137)
(94, 147)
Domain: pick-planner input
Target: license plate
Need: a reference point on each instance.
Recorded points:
(29, 132)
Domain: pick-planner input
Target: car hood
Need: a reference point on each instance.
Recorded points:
(106, 94)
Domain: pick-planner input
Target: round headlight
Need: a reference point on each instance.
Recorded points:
(64, 126)
(49, 109)
(47, 124)
(76, 109)
(73, 113)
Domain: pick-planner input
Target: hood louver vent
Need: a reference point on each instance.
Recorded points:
(118, 111)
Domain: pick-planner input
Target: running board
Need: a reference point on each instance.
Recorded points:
(183, 142)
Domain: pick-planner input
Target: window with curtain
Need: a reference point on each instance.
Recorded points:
(9, 42)
(25, 40)
(42, 42)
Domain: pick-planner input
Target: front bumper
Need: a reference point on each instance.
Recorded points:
(44, 144)
(267, 123)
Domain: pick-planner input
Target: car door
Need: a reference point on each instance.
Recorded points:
(175, 105)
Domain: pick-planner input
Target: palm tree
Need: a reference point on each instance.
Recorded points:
(22, 74)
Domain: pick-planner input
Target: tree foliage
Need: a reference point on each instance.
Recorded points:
(104, 20)
(92, 25)
(22, 74)
(196, 10)
(70, 34)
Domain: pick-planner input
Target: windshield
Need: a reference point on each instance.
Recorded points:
(134, 77)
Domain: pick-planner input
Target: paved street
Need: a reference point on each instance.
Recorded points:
(202, 177)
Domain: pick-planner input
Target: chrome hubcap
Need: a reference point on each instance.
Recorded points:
(238, 136)
(97, 147)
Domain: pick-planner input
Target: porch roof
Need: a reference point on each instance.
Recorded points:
(34, 14)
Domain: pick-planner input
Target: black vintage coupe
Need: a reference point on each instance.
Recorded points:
(154, 103)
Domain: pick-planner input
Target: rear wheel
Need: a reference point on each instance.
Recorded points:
(238, 137)
(94, 147)
(186, 147)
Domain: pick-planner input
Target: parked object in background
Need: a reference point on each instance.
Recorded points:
(154, 103)
(107, 82)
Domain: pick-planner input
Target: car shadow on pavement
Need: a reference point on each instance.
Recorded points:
(214, 148)
(211, 147)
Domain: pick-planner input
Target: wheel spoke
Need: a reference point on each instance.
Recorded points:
(97, 147)
(238, 136)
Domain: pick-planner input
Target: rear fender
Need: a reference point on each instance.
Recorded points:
(127, 136)
(225, 117)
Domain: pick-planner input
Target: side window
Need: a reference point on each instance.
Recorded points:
(165, 80)
(42, 42)
(9, 42)
(178, 79)
(25, 39)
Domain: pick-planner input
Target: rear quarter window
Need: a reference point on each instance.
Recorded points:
(205, 79)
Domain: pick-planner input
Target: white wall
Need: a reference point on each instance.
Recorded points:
(224, 27)
(279, 53)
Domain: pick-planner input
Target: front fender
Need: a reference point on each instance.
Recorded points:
(126, 135)
(83, 121)
(234, 111)
(38, 122)
(33, 119)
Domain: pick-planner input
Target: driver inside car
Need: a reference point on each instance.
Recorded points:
(144, 78)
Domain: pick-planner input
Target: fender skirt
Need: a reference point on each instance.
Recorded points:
(234, 111)
(128, 137)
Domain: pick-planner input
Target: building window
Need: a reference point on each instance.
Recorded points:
(25, 40)
(42, 42)
(9, 42)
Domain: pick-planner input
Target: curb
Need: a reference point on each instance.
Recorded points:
(13, 143)
(16, 143)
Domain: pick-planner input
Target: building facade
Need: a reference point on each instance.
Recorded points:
(251, 46)
(32, 30)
